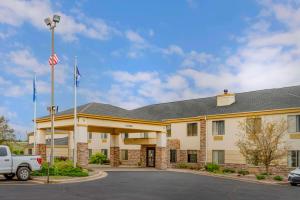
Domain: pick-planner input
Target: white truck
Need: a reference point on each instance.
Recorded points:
(11, 165)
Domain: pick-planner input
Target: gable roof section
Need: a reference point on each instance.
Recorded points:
(268, 99)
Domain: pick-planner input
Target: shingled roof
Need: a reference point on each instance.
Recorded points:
(268, 99)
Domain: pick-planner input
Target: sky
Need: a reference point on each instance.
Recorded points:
(135, 53)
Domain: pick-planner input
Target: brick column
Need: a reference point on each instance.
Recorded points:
(161, 151)
(202, 156)
(173, 144)
(143, 156)
(41, 148)
(82, 157)
(82, 154)
(114, 150)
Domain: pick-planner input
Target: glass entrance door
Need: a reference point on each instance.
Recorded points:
(151, 157)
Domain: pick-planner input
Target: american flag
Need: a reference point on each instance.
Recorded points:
(53, 60)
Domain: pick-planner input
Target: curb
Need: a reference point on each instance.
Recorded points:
(228, 177)
(99, 175)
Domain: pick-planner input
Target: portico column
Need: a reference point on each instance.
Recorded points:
(161, 150)
(41, 144)
(114, 150)
(82, 146)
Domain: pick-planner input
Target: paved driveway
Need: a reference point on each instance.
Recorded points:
(151, 185)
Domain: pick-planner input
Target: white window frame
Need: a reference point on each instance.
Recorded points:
(216, 127)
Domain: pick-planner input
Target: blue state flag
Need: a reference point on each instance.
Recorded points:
(77, 77)
(34, 89)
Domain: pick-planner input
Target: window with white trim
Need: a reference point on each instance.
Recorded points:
(103, 135)
(218, 156)
(192, 156)
(192, 129)
(293, 123)
(218, 127)
(294, 158)
(124, 154)
(169, 134)
(173, 155)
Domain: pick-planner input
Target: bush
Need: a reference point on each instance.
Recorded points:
(260, 177)
(211, 167)
(61, 158)
(243, 172)
(265, 174)
(278, 178)
(61, 168)
(182, 166)
(98, 158)
(228, 170)
(18, 152)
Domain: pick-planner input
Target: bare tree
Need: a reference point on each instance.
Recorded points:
(6, 133)
(262, 142)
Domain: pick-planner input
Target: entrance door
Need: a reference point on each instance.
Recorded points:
(150, 157)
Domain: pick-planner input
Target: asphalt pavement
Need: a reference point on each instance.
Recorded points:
(150, 185)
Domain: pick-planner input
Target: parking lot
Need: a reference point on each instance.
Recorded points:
(149, 185)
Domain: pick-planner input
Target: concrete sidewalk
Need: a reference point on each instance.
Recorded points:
(124, 168)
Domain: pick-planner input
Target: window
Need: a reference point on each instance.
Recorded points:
(173, 156)
(293, 123)
(294, 158)
(90, 153)
(144, 135)
(103, 135)
(192, 156)
(90, 135)
(125, 135)
(218, 156)
(29, 151)
(104, 152)
(192, 129)
(124, 154)
(3, 151)
(218, 127)
(169, 131)
(253, 125)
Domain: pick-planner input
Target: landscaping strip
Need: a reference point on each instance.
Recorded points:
(238, 178)
(61, 180)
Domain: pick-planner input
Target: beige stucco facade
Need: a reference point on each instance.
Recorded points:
(96, 133)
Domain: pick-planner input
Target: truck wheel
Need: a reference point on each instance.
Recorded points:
(9, 176)
(293, 184)
(23, 173)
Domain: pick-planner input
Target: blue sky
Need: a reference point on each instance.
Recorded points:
(134, 53)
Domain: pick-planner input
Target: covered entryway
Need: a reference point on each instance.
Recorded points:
(152, 151)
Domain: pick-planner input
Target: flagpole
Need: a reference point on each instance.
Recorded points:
(75, 115)
(34, 117)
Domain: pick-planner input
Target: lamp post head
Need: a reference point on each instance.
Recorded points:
(48, 21)
(56, 18)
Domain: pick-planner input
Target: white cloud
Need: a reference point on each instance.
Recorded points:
(7, 113)
(194, 58)
(173, 49)
(24, 64)
(151, 33)
(16, 13)
(126, 77)
(266, 57)
(134, 37)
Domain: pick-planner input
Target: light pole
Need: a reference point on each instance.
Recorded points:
(52, 24)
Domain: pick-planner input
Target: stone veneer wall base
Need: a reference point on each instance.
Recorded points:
(82, 155)
(114, 156)
(161, 157)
